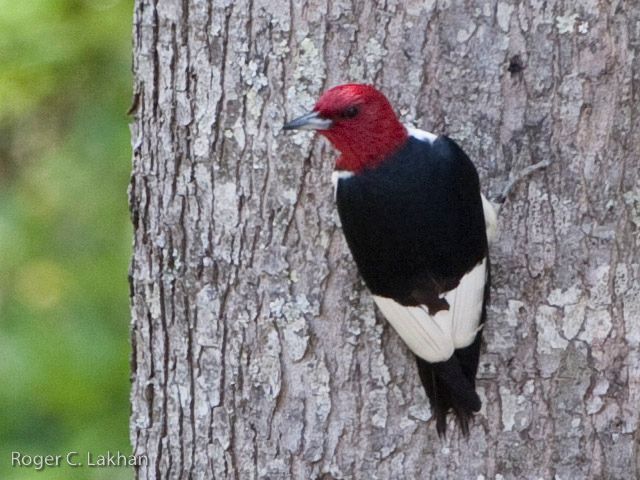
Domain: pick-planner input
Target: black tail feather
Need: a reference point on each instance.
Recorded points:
(448, 388)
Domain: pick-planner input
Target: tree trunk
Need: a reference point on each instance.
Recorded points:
(257, 352)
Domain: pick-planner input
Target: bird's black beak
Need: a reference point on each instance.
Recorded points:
(308, 121)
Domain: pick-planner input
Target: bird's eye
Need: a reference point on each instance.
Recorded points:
(349, 112)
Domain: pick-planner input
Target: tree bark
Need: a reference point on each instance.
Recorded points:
(257, 352)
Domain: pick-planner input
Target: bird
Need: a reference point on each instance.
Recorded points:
(418, 228)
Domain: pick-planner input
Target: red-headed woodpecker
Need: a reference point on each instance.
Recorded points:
(417, 225)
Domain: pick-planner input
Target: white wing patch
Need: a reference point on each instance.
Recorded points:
(421, 134)
(435, 337)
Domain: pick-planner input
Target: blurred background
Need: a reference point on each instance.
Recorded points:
(65, 87)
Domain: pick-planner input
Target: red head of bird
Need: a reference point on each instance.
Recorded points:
(359, 121)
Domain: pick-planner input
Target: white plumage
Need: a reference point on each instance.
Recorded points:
(336, 176)
(421, 134)
(435, 337)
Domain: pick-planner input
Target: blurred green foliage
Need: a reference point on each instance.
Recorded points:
(65, 85)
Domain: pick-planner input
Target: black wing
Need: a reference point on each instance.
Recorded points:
(415, 224)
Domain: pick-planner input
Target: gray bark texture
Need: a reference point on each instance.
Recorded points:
(257, 352)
